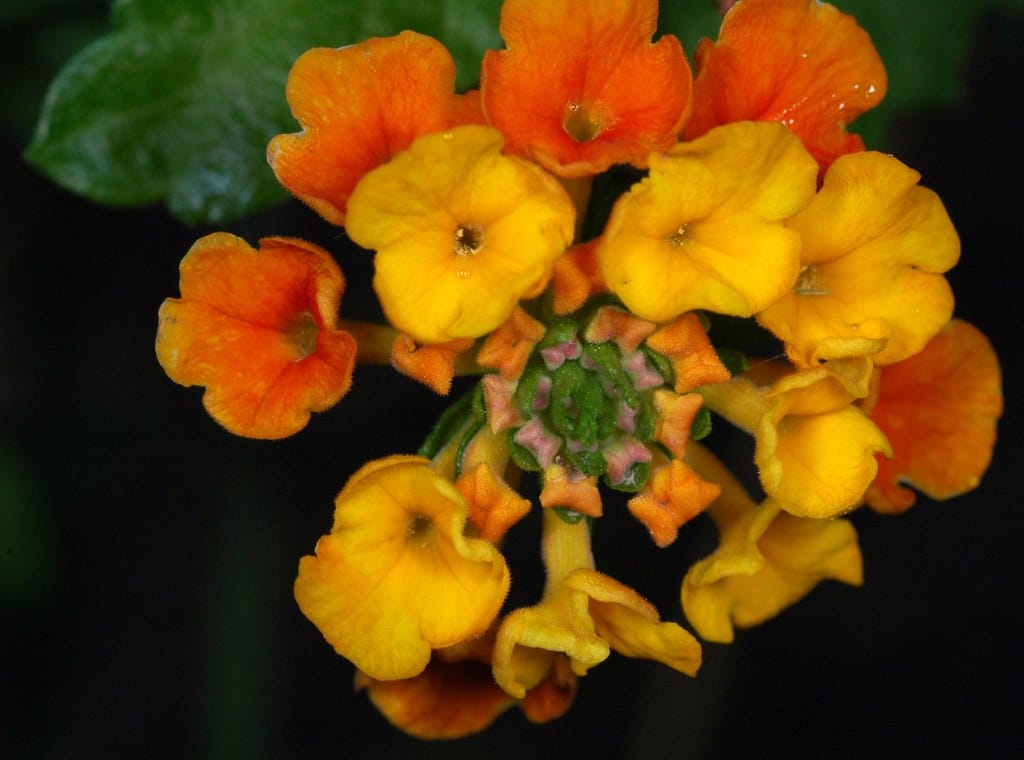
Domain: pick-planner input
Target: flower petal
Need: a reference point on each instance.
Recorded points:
(397, 577)
(798, 62)
(875, 245)
(939, 408)
(705, 229)
(631, 624)
(258, 329)
(461, 231)
(609, 96)
(358, 106)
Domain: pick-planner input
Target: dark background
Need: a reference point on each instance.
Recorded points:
(148, 556)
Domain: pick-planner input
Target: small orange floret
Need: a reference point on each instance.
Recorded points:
(508, 348)
(580, 86)
(258, 329)
(674, 495)
(576, 277)
(433, 365)
(799, 62)
(566, 488)
(360, 105)
(493, 506)
(693, 358)
(939, 409)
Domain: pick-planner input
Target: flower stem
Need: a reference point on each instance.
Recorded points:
(375, 341)
(565, 547)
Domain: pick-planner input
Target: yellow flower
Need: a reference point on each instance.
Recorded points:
(875, 245)
(815, 450)
(582, 616)
(705, 230)
(766, 561)
(461, 231)
(397, 576)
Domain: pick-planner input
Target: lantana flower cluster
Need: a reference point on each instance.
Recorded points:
(595, 330)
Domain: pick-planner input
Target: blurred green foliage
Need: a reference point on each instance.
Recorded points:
(177, 101)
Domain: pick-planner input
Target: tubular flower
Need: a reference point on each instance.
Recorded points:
(397, 576)
(461, 233)
(798, 62)
(358, 107)
(815, 450)
(705, 230)
(766, 561)
(610, 96)
(875, 245)
(673, 496)
(583, 615)
(939, 408)
(259, 330)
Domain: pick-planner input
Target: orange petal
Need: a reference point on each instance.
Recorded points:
(609, 96)
(258, 329)
(554, 695)
(448, 700)
(610, 323)
(432, 365)
(493, 506)
(799, 62)
(508, 348)
(939, 410)
(358, 106)
(576, 278)
(673, 495)
(694, 360)
(566, 488)
(675, 418)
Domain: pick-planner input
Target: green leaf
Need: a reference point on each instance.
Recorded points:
(179, 100)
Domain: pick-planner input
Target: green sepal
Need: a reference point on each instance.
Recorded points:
(635, 478)
(471, 431)
(526, 391)
(560, 331)
(522, 456)
(451, 421)
(568, 516)
(735, 361)
(661, 364)
(701, 426)
(586, 461)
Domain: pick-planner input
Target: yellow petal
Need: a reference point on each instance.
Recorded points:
(397, 577)
(631, 624)
(461, 231)
(705, 229)
(875, 245)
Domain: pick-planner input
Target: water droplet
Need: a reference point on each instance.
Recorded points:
(447, 136)
(804, 56)
(462, 274)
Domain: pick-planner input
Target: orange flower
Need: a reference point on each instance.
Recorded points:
(939, 409)
(433, 365)
(580, 86)
(454, 696)
(694, 360)
(258, 329)
(672, 496)
(799, 62)
(359, 106)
